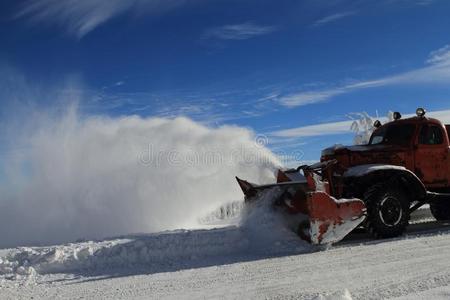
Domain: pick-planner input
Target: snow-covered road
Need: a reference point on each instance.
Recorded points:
(416, 266)
(386, 269)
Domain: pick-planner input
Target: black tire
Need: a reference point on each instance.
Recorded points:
(387, 210)
(440, 210)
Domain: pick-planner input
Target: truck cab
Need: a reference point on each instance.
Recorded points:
(419, 144)
(423, 144)
(405, 165)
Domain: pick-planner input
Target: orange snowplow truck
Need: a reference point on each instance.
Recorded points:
(405, 165)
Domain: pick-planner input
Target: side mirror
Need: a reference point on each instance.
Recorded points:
(377, 124)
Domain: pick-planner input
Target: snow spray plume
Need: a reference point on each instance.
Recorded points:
(95, 176)
(363, 126)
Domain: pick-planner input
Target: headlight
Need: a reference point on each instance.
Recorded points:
(397, 115)
(420, 112)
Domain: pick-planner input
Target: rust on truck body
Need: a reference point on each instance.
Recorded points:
(426, 152)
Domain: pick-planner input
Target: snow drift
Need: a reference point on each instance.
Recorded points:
(261, 231)
(91, 177)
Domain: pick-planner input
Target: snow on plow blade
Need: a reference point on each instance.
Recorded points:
(329, 219)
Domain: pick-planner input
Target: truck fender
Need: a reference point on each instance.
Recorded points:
(365, 175)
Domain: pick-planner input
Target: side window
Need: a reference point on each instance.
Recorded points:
(431, 135)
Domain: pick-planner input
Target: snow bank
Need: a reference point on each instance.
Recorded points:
(345, 295)
(92, 177)
(262, 231)
(155, 253)
(227, 214)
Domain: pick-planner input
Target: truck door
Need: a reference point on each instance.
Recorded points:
(431, 156)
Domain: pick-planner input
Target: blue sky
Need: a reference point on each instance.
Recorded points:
(273, 66)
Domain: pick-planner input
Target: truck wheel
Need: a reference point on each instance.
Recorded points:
(440, 210)
(387, 210)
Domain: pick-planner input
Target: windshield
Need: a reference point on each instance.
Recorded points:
(396, 134)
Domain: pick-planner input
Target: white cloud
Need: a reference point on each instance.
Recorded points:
(242, 31)
(79, 17)
(315, 130)
(342, 127)
(440, 56)
(333, 18)
(422, 2)
(436, 71)
(310, 97)
(409, 2)
(425, 2)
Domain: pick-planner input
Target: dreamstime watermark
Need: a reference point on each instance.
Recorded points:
(153, 156)
(261, 140)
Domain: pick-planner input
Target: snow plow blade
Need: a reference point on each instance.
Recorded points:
(329, 220)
